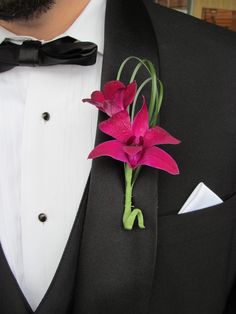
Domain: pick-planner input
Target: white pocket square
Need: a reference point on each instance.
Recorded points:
(200, 198)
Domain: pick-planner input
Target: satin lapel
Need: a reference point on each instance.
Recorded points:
(116, 266)
(187, 93)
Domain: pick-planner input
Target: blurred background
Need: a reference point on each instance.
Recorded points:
(220, 12)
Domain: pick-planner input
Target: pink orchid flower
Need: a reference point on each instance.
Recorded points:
(135, 142)
(114, 98)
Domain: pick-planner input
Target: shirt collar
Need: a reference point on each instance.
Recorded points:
(89, 26)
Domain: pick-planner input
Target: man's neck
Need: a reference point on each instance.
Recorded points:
(51, 24)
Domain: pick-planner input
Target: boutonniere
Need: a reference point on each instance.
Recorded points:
(135, 136)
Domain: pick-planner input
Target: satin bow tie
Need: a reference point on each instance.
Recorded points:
(66, 50)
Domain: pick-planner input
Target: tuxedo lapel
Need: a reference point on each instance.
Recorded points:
(116, 266)
(190, 90)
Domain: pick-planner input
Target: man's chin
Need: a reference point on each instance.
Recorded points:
(23, 10)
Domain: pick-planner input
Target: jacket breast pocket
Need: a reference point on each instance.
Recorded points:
(196, 260)
(198, 224)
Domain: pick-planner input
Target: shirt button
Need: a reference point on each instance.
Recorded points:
(42, 217)
(46, 116)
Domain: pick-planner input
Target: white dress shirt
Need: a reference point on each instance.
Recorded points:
(43, 164)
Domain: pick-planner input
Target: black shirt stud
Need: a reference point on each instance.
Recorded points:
(42, 217)
(46, 116)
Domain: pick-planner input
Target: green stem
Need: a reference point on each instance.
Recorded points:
(137, 68)
(156, 96)
(128, 191)
(130, 215)
(126, 61)
(156, 88)
(136, 174)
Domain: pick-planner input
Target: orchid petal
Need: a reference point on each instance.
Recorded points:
(129, 94)
(157, 136)
(111, 88)
(89, 100)
(110, 148)
(140, 123)
(158, 158)
(99, 106)
(98, 96)
(118, 126)
(106, 107)
(118, 101)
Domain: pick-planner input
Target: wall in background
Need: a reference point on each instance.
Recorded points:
(219, 12)
(180, 5)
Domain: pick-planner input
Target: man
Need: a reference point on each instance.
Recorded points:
(63, 249)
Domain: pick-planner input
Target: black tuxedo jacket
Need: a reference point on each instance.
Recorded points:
(181, 264)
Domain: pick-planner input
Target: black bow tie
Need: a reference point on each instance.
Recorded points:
(64, 50)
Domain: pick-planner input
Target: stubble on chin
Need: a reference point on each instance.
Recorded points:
(24, 10)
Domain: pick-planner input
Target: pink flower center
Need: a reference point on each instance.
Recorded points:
(135, 141)
(134, 150)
